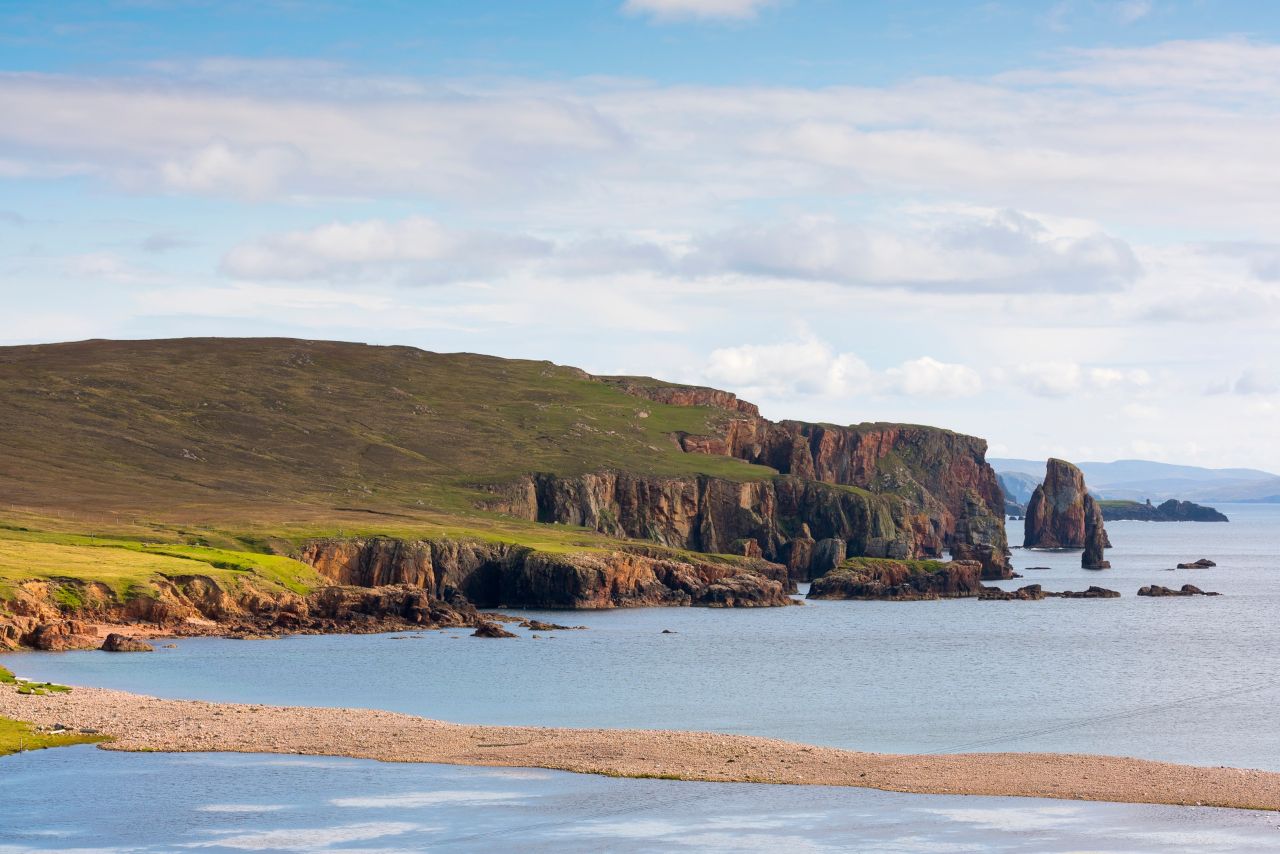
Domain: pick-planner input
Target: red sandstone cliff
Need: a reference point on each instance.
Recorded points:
(916, 491)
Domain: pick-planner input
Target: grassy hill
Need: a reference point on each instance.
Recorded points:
(121, 460)
(275, 431)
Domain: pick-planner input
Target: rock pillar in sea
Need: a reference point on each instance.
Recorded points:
(1063, 515)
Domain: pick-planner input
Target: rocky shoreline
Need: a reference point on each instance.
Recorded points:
(139, 723)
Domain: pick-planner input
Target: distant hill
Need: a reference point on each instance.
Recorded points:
(1139, 480)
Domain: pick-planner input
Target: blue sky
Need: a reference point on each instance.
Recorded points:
(1047, 223)
(791, 42)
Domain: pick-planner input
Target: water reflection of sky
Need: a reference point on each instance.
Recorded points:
(87, 800)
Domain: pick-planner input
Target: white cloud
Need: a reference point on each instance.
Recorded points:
(948, 252)
(810, 367)
(669, 10)
(220, 168)
(927, 377)
(378, 248)
(791, 369)
(1129, 11)
(975, 252)
(1050, 379)
(1105, 378)
(108, 267)
(1179, 132)
(1257, 381)
(1064, 378)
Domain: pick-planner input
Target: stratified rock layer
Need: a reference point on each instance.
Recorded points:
(497, 575)
(1063, 515)
(883, 490)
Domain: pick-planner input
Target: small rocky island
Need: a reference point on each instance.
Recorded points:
(1063, 515)
(1172, 510)
(917, 580)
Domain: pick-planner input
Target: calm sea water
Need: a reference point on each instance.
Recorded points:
(1189, 680)
(88, 800)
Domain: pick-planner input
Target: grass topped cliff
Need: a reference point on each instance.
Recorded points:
(127, 463)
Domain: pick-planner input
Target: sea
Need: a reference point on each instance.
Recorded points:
(1194, 680)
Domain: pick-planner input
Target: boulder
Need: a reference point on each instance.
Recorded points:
(486, 629)
(124, 643)
(64, 635)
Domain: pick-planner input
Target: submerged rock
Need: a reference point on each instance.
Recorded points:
(1034, 592)
(539, 626)
(1093, 592)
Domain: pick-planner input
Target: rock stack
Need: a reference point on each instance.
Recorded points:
(1063, 515)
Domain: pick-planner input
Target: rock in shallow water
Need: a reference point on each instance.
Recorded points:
(124, 643)
(486, 629)
(1187, 590)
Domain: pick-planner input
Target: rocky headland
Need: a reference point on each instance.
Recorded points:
(394, 487)
(1063, 515)
(1169, 511)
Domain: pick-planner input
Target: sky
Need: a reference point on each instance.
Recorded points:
(1054, 224)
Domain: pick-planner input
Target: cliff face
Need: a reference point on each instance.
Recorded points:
(502, 575)
(885, 490)
(1063, 515)
(39, 617)
(787, 520)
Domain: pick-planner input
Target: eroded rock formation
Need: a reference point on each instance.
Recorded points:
(884, 490)
(870, 578)
(36, 616)
(496, 575)
(1063, 515)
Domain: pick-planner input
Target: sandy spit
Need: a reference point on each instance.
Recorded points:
(148, 723)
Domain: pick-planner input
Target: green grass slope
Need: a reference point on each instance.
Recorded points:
(232, 428)
(123, 461)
